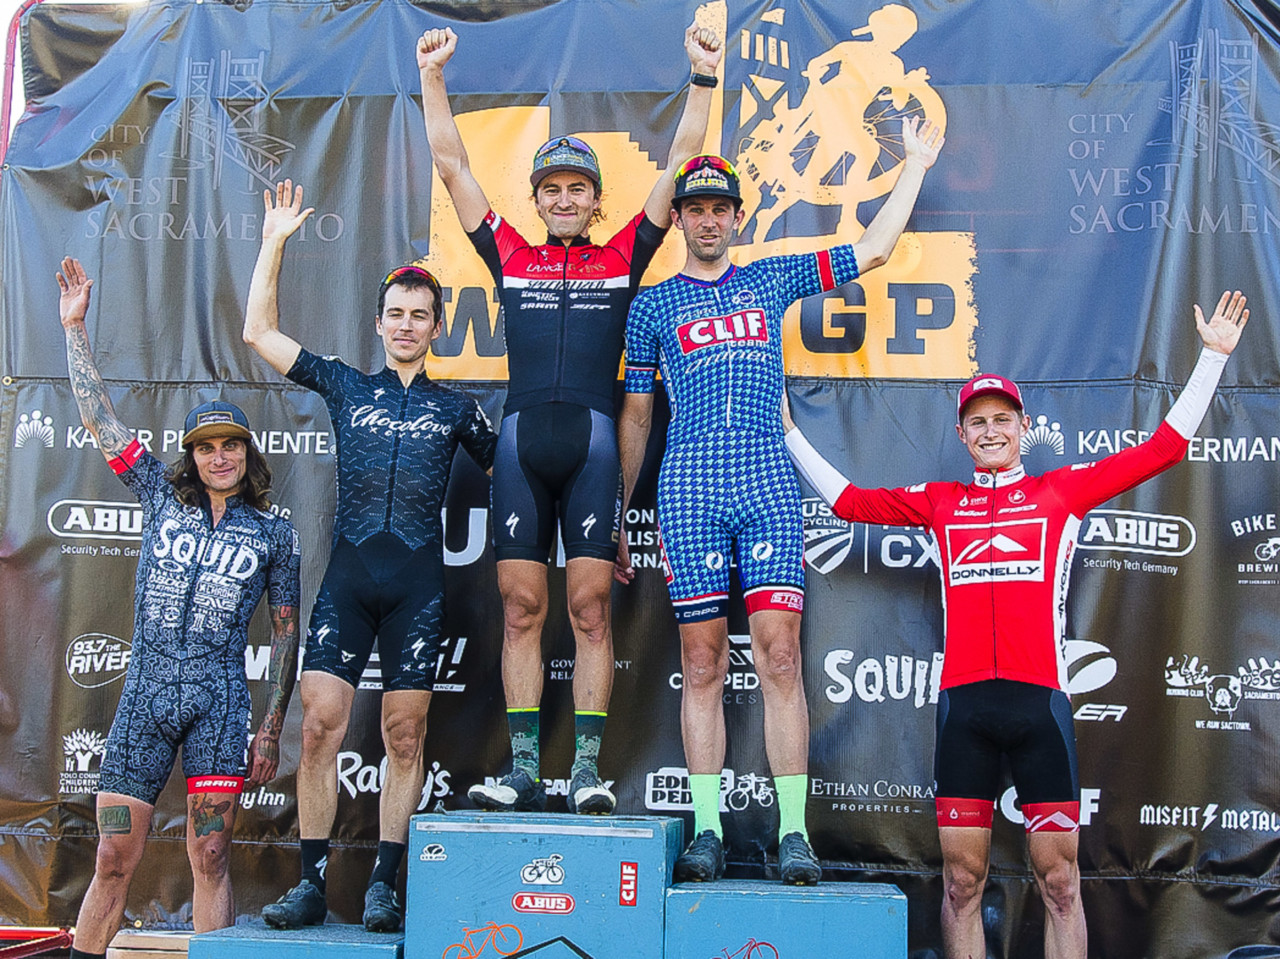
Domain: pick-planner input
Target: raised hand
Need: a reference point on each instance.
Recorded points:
(73, 303)
(1222, 332)
(921, 142)
(704, 49)
(283, 214)
(435, 48)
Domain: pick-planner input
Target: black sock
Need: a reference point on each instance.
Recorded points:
(315, 859)
(387, 865)
(81, 954)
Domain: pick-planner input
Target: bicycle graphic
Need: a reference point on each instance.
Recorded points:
(750, 786)
(544, 872)
(505, 937)
(752, 949)
(1268, 550)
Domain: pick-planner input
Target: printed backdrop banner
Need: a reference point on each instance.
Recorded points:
(1104, 170)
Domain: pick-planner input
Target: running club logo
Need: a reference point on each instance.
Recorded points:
(1223, 693)
(34, 429)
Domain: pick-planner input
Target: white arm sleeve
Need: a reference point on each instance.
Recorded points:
(1193, 401)
(827, 481)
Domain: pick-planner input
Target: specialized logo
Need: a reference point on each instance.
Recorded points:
(544, 872)
(511, 524)
(987, 552)
(97, 659)
(433, 852)
(1044, 434)
(34, 429)
(1128, 531)
(587, 523)
(743, 327)
(81, 748)
(95, 519)
(628, 883)
(555, 904)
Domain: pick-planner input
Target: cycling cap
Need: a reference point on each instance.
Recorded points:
(215, 418)
(707, 175)
(987, 383)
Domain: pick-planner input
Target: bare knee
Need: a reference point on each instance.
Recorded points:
(779, 662)
(1060, 888)
(210, 860)
(322, 732)
(116, 861)
(704, 668)
(523, 612)
(589, 616)
(403, 737)
(962, 883)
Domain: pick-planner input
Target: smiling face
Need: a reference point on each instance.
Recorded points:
(708, 223)
(220, 463)
(566, 202)
(991, 428)
(407, 324)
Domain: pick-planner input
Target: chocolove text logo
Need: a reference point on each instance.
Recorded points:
(817, 131)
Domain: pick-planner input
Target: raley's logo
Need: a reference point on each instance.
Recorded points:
(747, 326)
(996, 551)
(550, 903)
(628, 884)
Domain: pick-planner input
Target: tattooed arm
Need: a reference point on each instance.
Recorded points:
(264, 754)
(96, 411)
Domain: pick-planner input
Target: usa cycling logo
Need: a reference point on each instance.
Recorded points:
(1012, 551)
(827, 538)
(742, 327)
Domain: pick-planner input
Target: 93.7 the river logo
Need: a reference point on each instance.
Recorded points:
(97, 659)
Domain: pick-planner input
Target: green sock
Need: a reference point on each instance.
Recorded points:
(523, 724)
(705, 790)
(791, 797)
(588, 728)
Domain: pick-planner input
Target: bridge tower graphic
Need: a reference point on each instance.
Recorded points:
(221, 120)
(1214, 103)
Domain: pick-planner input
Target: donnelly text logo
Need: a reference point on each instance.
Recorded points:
(1009, 551)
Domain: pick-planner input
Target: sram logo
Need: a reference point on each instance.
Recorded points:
(749, 325)
(986, 552)
(555, 904)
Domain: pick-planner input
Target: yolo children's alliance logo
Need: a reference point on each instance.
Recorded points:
(1223, 692)
(80, 749)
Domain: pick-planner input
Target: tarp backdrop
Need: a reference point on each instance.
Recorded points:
(1107, 165)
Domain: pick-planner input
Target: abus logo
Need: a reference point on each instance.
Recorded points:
(95, 519)
(1126, 531)
(555, 904)
(97, 659)
(982, 552)
(749, 325)
(628, 883)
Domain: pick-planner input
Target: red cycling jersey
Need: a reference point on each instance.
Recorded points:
(1006, 542)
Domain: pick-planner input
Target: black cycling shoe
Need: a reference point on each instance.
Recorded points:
(702, 860)
(382, 912)
(303, 905)
(797, 864)
(517, 791)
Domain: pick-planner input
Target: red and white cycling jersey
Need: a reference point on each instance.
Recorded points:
(1006, 542)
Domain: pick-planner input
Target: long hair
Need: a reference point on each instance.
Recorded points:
(253, 488)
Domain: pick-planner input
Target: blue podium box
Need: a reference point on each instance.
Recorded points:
(545, 886)
(254, 940)
(748, 919)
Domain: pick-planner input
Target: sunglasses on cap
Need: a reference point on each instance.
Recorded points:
(707, 160)
(402, 271)
(560, 142)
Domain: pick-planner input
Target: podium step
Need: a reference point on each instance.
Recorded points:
(134, 944)
(254, 940)
(541, 885)
(749, 919)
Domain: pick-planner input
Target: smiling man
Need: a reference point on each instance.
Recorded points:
(725, 488)
(564, 307)
(1005, 544)
(210, 549)
(397, 434)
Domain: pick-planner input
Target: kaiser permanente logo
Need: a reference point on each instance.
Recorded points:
(814, 128)
(34, 429)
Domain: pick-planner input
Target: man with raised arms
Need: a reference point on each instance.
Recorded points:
(726, 487)
(1005, 543)
(210, 549)
(397, 433)
(564, 305)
